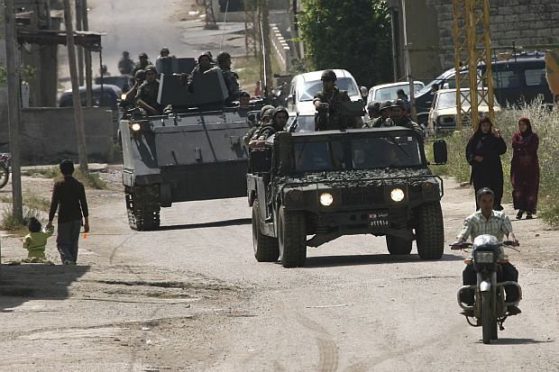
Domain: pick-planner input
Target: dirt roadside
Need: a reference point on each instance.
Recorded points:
(116, 311)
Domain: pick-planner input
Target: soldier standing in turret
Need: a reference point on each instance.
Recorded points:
(230, 77)
(146, 97)
(327, 104)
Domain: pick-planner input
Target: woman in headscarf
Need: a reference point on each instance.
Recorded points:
(525, 169)
(483, 152)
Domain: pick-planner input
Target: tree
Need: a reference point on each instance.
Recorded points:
(351, 34)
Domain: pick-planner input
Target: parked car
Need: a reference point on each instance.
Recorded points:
(517, 78)
(124, 82)
(443, 112)
(387, 92)
(305, 86)
(107, 98)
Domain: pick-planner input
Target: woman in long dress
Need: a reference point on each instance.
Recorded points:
(483, 152)
(525, 169)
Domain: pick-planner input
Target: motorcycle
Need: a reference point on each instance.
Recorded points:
(5, 163)
(490, 309)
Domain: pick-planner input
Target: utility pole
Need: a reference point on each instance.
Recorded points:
(408, 63)
(78, 112)
(264, 26)
(87, 59)
(13, 106)
(79, 27)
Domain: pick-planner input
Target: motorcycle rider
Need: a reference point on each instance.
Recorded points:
(496, 223)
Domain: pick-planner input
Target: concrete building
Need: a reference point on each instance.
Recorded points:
(531, 24)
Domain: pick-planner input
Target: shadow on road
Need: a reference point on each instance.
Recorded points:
(520, 341)
(205, 225)
(369, 259)
(26, 282)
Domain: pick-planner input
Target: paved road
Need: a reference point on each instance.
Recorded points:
(353, 308)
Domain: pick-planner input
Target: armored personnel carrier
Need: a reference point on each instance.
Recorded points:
(307, 189)
(193, 152)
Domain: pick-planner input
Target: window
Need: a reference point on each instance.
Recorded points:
(506, 79)
(535, 77)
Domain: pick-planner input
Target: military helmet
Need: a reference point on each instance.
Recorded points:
(279, 109)
(150, 68)
(373, 107)
(223, 56)
(266, 108)
(385, 105)
(164, 51)
(140, 74)
(143, 55)
(328, 75)
(398, 103)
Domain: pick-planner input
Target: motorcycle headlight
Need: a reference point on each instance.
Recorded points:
(326, 199)
(484, 257)
(397, 195)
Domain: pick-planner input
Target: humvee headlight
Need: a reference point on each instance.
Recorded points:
(135, 127)
(397, 195)
(123, 96)
(326, 199)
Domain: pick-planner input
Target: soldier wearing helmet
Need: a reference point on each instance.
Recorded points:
(142, 64)
(277, 124)
(139, 78)
(327, 104)
(125, 64)
(230, 77)
(399, 116)
(146, 97)
(384, 119)
(264, 119)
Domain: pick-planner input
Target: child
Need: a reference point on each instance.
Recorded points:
(36, 241)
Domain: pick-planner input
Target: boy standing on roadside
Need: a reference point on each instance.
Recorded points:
(68, 197)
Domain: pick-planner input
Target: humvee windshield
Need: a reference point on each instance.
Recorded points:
(357, 153)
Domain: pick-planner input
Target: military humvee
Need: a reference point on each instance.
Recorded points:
(307, 189)
(193, 152)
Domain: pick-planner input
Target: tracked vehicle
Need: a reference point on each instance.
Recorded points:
(192, 152)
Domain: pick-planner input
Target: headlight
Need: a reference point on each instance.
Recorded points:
(123, 96)
(135, 127)
(484, 257)
(397, 195)
(326, 199)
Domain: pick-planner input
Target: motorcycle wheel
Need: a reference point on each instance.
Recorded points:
(488, 319)
(4, 175)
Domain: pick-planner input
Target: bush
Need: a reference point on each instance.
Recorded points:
(546, 124)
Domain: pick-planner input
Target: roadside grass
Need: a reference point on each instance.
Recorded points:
(248, 68)
(546, 124)
(14, 225)
(91, 180)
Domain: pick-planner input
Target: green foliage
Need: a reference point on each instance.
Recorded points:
(351, 34)
(545, 125)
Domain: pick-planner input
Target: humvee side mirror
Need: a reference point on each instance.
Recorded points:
(440, 152)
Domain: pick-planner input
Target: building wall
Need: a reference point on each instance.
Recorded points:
(48, 135)
(527, 23)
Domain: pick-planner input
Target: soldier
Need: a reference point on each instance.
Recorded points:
(126, 65)
(327, 104)
(265, 117)
(399, 117)
(146, 97)
(384, 119)
(230, 77)
(373, 109)
(204, 64)
(278, 123)
(144, 62)
(139, 78)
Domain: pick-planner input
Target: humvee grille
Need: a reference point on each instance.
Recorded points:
(362, 195)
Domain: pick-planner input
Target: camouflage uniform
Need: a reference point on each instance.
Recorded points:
(266, 110)
(332, 119)
(231, 81)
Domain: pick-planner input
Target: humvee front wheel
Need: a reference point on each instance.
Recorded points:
(143, 208)
(430, 231)
(397, 245)
(265, 248)
(292, 238)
